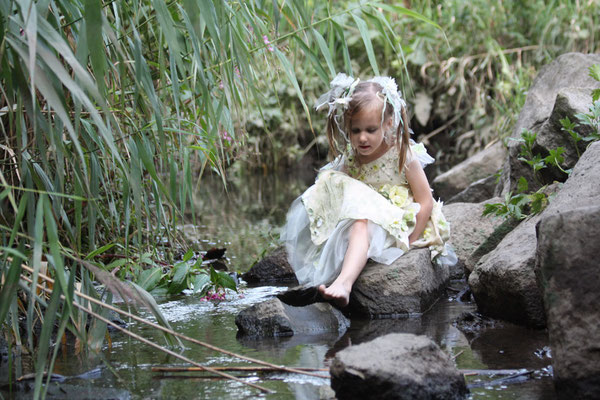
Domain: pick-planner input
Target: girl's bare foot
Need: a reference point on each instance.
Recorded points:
(336, 293)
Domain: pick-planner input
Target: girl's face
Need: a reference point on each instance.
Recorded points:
(367, 133)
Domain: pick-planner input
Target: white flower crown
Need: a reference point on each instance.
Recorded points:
(339, 96)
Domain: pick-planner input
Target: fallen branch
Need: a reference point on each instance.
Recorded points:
(501, 381)
(488, 372)
(241, 369)
(152, 344)
(179, 335)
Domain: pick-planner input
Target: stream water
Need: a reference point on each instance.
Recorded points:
(244, 222)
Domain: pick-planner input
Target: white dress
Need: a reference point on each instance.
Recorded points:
(319, 221)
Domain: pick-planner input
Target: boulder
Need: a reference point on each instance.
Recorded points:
(481, 165)
(469, 228)
(274, 268)
(477, 191)
(273, 318)
(567, 260)
(548, 101)
(504, 281)
(410, 285)
(396, 366)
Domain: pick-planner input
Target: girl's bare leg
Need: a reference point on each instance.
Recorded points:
(354, 262)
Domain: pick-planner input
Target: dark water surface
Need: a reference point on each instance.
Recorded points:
(245, 222)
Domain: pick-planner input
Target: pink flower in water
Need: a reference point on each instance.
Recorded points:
(237, 71)
(221, 86)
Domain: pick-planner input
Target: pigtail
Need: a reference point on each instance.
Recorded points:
(331, 136)
(403, 139)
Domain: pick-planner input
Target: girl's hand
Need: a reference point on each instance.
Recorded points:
(417, 180)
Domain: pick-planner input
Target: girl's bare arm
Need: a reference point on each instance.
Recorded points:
(421, 191)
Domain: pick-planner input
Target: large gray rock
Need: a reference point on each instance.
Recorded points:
(396, 366)
(273, 318)
(568, 71)
(567, 255)
(481, 165)
(504, 281)
(274, 268)
(410, 285)
(469, 228)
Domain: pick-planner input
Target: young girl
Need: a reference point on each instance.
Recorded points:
(373, 201)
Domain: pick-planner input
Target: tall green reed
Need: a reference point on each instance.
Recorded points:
(110, 111)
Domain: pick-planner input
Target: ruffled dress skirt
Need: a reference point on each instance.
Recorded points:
(318, 226)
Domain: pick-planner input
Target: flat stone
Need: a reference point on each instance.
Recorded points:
(396, 366)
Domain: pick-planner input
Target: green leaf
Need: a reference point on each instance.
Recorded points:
(289, 71)
(595, 95)
(522, 185)
(364, 33)
(595, 72)
(201, 283)
(149, 278)
(188, 255)
(179, 281)
(101, 250)
(325, 51)
(226, 281)
(93, 33)
(153, 306)
(9, 286)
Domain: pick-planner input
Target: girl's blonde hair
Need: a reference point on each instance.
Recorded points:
(362, 97)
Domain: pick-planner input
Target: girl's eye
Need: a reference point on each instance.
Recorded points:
(371, 130)
(355, 131)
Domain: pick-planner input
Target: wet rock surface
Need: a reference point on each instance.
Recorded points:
(473, 323)
(568, 249)
(274, 268)
(504, 283)
(396, 366)
(273, 318)
(410, 285)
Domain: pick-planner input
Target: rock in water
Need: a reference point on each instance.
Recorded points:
(410, 285)
(567, 256)
(504, 281)
(274, 268)
(396, 366)
(273, 318)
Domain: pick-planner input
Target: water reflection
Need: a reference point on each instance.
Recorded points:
(245, 217)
